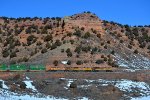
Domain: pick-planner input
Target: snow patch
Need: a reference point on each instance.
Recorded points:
(29, 85)
(123, 65)
(89, 81)
(129, 70)
(84, 98)
(64, 62)
(84, 86)
(69, 82)
(3, 85)
(27, 78)
(128, 86)
(132, 61)
(142, 98)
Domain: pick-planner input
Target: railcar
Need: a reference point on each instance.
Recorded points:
(3, 67)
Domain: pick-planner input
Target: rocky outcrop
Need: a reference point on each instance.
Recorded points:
(87, 21)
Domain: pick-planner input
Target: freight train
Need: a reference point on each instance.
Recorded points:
(50, 68)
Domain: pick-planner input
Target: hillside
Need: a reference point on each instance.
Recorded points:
(80, 40)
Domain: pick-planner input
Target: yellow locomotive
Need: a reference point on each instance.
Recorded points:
(108, 69)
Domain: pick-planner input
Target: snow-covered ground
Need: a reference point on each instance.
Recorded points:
(142, 98)
(127, 86)
(124, 85)
(7, 95)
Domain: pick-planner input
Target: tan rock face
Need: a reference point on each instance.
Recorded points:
(23, 37)
(86, 20)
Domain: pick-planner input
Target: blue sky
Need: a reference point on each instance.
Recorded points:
(132, 12)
